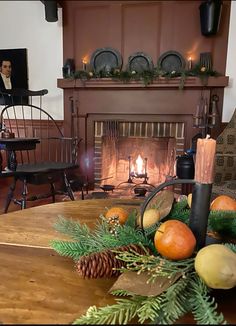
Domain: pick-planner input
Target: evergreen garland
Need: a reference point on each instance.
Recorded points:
(180, 211)
(88, 242)
(204, 308)
(148, 76)
(177, 302)
(187, 294)
(166, 308)
(75, 230)
(223, 222)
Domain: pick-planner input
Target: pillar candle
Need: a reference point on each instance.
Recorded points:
(205, 160)
(201, 196)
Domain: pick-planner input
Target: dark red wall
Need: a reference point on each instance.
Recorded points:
(153, 27)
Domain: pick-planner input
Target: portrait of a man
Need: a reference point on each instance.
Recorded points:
(5, 71)
(13, 72)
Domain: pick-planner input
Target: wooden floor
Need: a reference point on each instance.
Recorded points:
(32, 190)
(97, 193)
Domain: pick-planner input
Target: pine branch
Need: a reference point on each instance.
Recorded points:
(99, 239)
(120, 292)
(179, 211)
(102, 239)
(231, 246)
(151, 230)
(145, 308)
(70, 249)
(176, 303)
(180, 206)
(135, 236)
(131, 221)
(223, 222)
(74, 229)
(221, 214)
(150, 308)
(204, 308)
(120, 313)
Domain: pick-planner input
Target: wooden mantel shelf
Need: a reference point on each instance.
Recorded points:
(190, 82)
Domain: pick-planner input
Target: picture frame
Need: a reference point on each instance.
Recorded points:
(17, 59)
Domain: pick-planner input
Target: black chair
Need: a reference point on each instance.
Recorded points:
(54, 157)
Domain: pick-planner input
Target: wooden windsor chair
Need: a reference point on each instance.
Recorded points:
(54, 157)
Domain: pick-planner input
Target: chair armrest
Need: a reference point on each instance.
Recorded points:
(23, 92)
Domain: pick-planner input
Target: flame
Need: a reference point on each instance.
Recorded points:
(85, 60)
(139, 164)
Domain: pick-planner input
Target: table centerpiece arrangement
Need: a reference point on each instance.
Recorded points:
(169, 256)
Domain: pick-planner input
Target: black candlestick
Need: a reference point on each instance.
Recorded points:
(158, 189)
(200, 208)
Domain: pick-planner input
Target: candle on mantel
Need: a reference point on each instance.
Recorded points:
(190, 63)
(84, 61)
(205, 160)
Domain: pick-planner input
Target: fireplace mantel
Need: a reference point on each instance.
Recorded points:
(160, 83)
(101, 99)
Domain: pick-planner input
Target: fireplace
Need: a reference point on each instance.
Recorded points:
(112, 118)
(119, 144)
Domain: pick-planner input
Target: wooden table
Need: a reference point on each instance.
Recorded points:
(16, 144)
(37, 286)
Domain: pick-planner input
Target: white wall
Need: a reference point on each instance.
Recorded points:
(230, 92)
(23, 25)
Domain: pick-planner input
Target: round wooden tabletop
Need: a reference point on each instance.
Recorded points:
(40, 287)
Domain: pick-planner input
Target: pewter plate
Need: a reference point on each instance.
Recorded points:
(140, 62)
(105, 59)
(171, 61)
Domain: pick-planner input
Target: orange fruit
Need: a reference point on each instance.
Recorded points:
(117, 211)
(174, 240)
(223, 203)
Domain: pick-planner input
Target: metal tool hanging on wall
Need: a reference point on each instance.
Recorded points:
(206, 114)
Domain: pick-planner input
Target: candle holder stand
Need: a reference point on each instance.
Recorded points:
(199, 209)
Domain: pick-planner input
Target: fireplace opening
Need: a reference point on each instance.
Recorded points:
(119, 157)
(136, 153)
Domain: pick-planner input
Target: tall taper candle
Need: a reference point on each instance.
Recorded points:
(205, 160)
(201, 196)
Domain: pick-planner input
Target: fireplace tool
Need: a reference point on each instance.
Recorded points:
(206, 115)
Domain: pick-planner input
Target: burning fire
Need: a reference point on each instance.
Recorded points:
(138, 169)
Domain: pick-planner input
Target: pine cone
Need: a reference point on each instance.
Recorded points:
(104, 263)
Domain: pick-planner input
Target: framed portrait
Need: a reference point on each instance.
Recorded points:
(13, 72)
